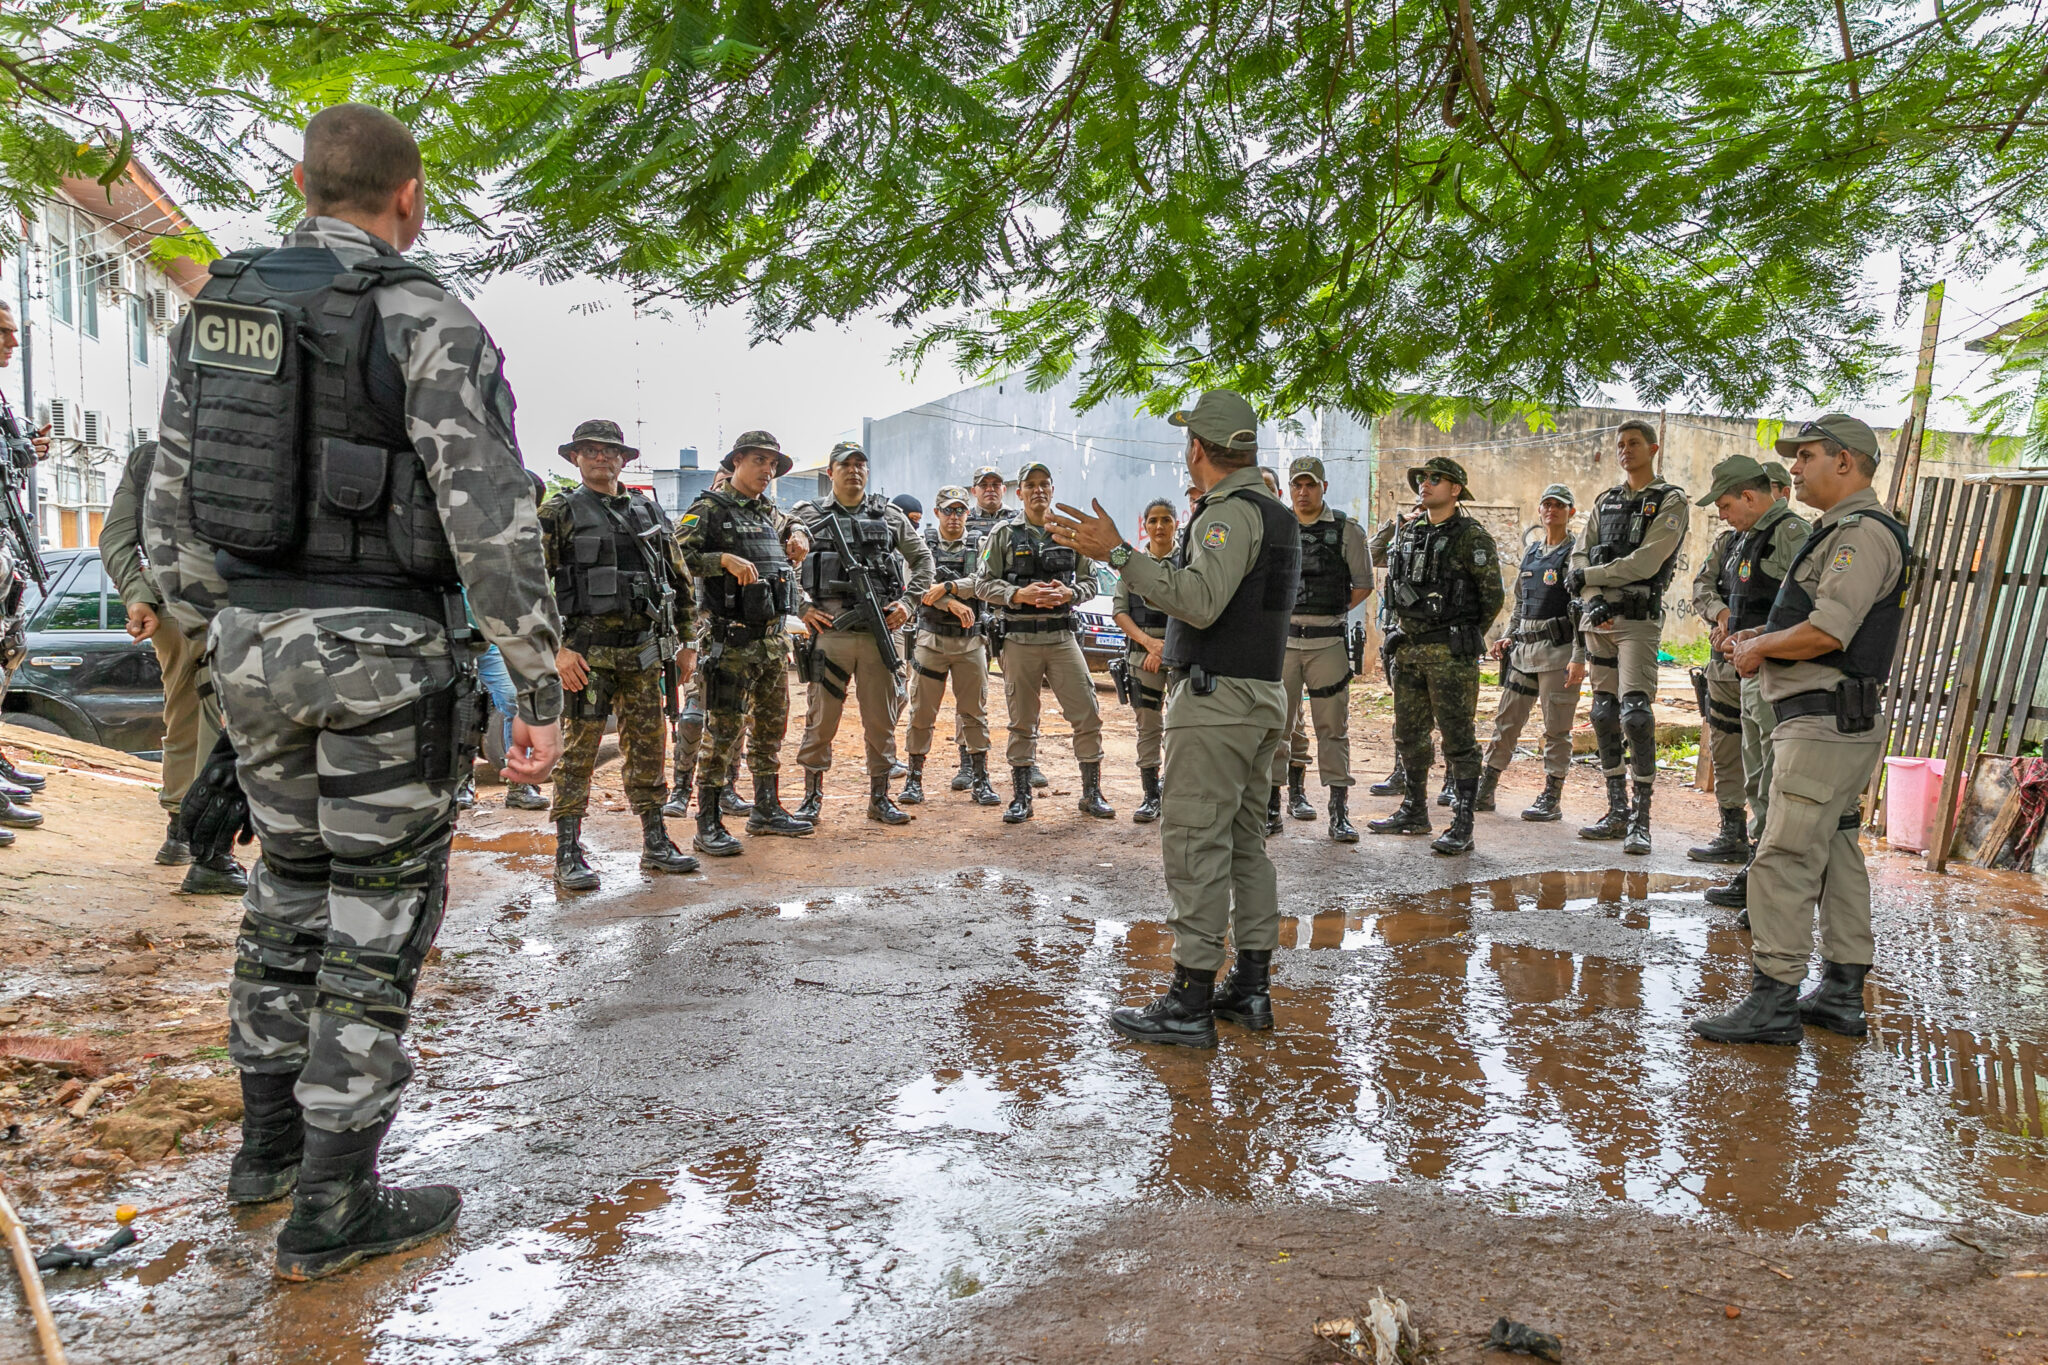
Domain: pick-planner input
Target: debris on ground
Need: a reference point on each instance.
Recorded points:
(67, 1055)
(1519, 1336)
(63, 1256)
(1381, 1333)
(149, 1128)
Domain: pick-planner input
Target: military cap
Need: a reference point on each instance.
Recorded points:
(597, 432)
(1030, 466)
(1839, 427)
(909, 503)
(952, 495)
(1221, 418)
(1309, 465)
(757, 440)
(1777, 474)
(985, 472)
(1444, 465)
(844, 450)
(1731, 474)
(1557, 492)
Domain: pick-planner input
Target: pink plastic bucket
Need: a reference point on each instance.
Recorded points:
(1912, 791)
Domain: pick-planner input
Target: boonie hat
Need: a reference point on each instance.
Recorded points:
(1309, 465)
(1557, 492)
(842, 451)
(1853, 432)
(1222, 418)
(1777, 473)
(1732, 473)
(597, 432)
(1030, 467)
(952, 495)
(984, 472)
(1444, 465)
(757, 440)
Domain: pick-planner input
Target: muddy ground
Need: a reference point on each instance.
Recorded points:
(851, 1098)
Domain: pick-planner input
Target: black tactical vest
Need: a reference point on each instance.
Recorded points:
(1748, 591)
(1540, 593)
(1144, 615)
(1325, 576)
(741, 527)
(1249, 640)
(1869, 653)
(869, 537)
(1621, 519)
(980, 523)
(302, 470)
(1032, 557)
(951, 560)
(1422, 587)
(612, 560)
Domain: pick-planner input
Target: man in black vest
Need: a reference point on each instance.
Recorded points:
(622, 590)
(1542, 661)
(1144, 661)
(1229, 593)
(1822, 656)
(950, 648)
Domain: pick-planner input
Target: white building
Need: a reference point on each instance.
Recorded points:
(97, 306)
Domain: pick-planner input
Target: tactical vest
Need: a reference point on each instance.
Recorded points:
(741, 527)
(1869, 653)
(1249, 640)
(1421, 585)
(610, 567)
(870, 538)
(951, 560)
(1621, 519)
(1144, 615)
(980, 523)
(1540, 593)
(1032, 557)
(1325, 576)
(1748, 591)
(303, 475)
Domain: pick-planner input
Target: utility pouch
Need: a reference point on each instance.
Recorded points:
(594, 702)
(1120, 674)
(1857, 703)
(757, 603)
(470, 709)
(805, 649)
(412, 520)
(1405, 596)
(353, 477)
(1201, 681)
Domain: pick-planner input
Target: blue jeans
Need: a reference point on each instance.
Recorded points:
(497, 680)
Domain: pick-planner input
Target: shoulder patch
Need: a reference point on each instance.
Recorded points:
(690, 518)
(1481, 555)
(1216, 537)
(1844, 557)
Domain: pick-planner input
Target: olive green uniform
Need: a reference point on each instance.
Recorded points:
(1536, 674)
(1318, 665)
(1621, 656)
(1148, 687)
(959, 659)
(1721, 725)
(1757, 720)
(1034, 660)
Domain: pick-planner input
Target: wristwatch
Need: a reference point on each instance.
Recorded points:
(1120, 556)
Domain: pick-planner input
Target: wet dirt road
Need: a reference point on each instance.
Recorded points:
(839, 1102)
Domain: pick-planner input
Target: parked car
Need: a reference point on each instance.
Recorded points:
(83, 676)
(1101, 638)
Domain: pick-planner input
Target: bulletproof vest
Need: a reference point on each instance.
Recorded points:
(1748, 591)
(1540, 594)
(745, 528)
(1032, 557)
(1422, 586)
(1869, 653)
(1249, 640)
(613, 555)
(951, 560)
(1325, 576)
(1145, 616)
(302, 469)
(1621, 519)
(871, 540)
(980, 523)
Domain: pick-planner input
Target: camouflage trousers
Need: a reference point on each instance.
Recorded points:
(347, 896)
(1435, 691)
(744, 682)
(620, 684)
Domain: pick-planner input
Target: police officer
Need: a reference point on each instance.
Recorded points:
(25, 449)
(1443, 587)
(1542, 661)
(689, 723)
(336, 464)
(739, 546)
(950, 646)
(1762, 537)
(617, 576)
(1820, 658)
(1624, 564)
(874, 531)
(988, 511)
(1144, 627)
(1228, 593)
(1382, 542)
(1037, 583)
(1336, 575)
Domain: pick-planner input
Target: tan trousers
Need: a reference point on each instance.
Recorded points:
(969, 673)
(1520, 694)
(1721, 731)
(1758, 756)
(1212, 836)
(1320, 664)
(190, 728)
(848, 660)
(1624, 659)
(1811, 854)
(1151, 718)
(1052, 659)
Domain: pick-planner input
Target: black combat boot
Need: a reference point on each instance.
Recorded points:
(1394, 783)
(1614, 824)
(174, 851)
(1769, 1014)
(1340, 819)
(273, 1135)
(1245, 996)
(913, 785)
(1547, 807)
(1731, 845)
(897, 768)
(1836, 1004)
(678, 804)
(219, 875)
(1489, 779)
(1297, 793)
(977, 769)
(1272, 812)
(17, 816)
(572, 871)
(524, 796)
(1039, 781)
(964, 779)
(465, 792)
(33, 781)
(813, 803)
(1020, 802)
(1734, 896)
(1413, 816)
(1091, 802)
(769, 817)
(1182, 1016)
(880, 807)
(1148, 809)
(1637, 840)
(1450, 791)
(657, 852)
(713, 840)
(729, 799)
(1458, 838)
(343, 1216)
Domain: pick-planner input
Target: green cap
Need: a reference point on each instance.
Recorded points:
(1222, 418)
(952, 495)
(757, 440)
(1309, 465)
(1853, 432)
(1031, 466)
(1777, 474)
(597, 432)
(1557, 492)
(844, 450)
(1444, 465)
(1732, 473)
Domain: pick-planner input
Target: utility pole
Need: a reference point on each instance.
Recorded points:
(1913, 437)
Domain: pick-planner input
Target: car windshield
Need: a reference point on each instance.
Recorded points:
(1105, 579)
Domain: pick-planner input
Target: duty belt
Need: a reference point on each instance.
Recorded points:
(1295, 632)
(1025, 625)
(1543, 631)
(1818, 703)
(1440, 636)
(733, 633)
(299, 594)
(608, 639)
(953, 628)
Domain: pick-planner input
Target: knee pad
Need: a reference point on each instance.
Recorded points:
(376, 987)
(690, 726)
(1639, 725)
(270, 952)
(1606, 711)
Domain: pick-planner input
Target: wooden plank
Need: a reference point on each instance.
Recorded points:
(1901, 701)
(2005, 510)
(2000, 581)
(1945, 623)
(2025, 626)
(1938, 532)
(1923, 388)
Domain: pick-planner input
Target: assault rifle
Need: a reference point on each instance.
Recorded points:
(868, 612)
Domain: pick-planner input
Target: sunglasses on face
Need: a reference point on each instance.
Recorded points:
(1436, 478)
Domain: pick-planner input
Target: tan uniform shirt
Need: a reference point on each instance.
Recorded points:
(1660, 541)
(963, 589)
(1856, 566)
(1358, 559)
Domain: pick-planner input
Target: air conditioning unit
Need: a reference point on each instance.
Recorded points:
(61, 416)
(89, 425)
(141, 436)
(166, 308)
(107, 276)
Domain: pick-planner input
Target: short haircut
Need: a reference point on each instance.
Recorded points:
(1760, 484)
(357, 157)
(1223, 457)
(1865, 464)
(1167, 503)
(1638, 424)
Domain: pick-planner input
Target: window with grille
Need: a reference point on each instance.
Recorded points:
(62, 282)
(138, 328)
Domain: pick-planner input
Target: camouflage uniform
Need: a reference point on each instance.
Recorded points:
(320, 704)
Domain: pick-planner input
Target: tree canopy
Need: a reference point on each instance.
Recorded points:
(1322, 202)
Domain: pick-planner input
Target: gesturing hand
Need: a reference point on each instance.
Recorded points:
(1094, 536)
